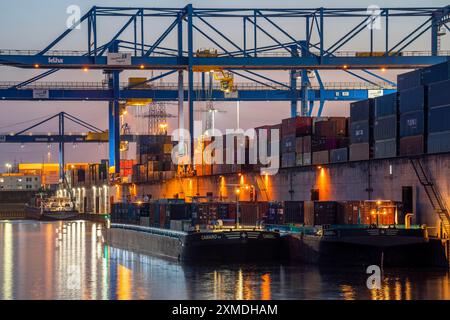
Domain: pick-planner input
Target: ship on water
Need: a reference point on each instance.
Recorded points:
(51, 208)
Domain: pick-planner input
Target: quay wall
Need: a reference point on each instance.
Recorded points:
(361, 180)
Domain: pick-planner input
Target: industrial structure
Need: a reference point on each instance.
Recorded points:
(263, 45)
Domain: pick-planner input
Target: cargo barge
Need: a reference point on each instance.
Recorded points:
(364, 246)
(225, 245)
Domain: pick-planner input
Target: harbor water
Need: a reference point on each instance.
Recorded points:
(69, 260)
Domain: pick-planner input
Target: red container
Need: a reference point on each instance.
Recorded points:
(299, 126)
(348, 212)
(331, 127)
(162, 215)
(248, 213)
(412, 145)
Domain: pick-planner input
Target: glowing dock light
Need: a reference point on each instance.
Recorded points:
(85, 69)
(345, 66)
(383, 69)
(142, 66)
(37, 66)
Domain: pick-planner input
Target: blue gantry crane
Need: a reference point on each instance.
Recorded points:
(265, 43)
(92, 134)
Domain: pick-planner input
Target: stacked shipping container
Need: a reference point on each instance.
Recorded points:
(386, 126)
(361, 130)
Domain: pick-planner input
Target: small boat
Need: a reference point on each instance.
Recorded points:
(51, 208)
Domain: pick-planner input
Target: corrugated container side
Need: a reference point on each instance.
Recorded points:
(293, 212)
(361, 110)
(331, 127)
(439, 119)
(299, 159)
(386, 105)
(339, 155)
(412, 124)
(325, 212)
(307, 159)
(435, 73)
(298, 126)
(439, 142)
(321, 157)
(385, 128)
(360, 132)
(288, 144)
(386, 148)
(307, 144)
(412, 145)
(409, 80)
(299, 145)
(347, 212)
(412, 99)
(439, 94)
(288, 160)
(360, 151)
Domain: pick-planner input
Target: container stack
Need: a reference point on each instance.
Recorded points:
(154, 162)
(295, 152)
(361, 130)
(386, 126)
(439, 108)
(413, 114)
(329, 142)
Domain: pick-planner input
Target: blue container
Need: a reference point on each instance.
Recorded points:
(439, 142)
(360, 132)
(436, 73)
(361, 110)
(288, 144)
(439, 119)
(409, 80)
(339, 155)
(386, 148)
(412, 99)
(439, 94)
(385, 128)
(412, 124)
(288, 160)
(386, 105)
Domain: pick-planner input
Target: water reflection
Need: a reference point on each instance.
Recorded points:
(70, 261)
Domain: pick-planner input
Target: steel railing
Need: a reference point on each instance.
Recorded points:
(74, 85)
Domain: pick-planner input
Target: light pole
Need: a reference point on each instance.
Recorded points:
(238, 193)
(8, 167)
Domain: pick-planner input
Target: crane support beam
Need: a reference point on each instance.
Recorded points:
(261, 94)
(250, 63)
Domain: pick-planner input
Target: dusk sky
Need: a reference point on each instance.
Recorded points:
(33, 25)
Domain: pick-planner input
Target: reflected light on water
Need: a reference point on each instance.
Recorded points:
(8, 261)
(265, 287)
(69, 260)
(123, 283)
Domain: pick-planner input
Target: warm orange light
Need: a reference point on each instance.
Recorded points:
(142, 66)
(85, 69)
(319, 167)
(373, 212)
(323, 183)
(36, 66)
(238, 191)
(345, 66)
(378, 202)
(383, 69)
